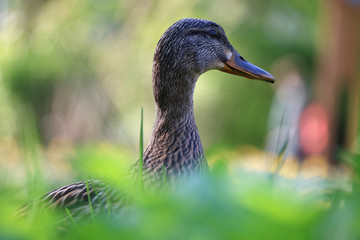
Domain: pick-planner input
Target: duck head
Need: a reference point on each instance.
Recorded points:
(189, 48)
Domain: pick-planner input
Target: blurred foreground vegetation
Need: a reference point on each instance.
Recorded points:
(226, 204)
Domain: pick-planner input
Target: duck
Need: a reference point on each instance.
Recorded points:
(187, 49)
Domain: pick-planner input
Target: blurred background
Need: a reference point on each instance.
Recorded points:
(74, 75)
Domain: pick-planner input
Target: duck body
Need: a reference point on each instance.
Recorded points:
(186, 50)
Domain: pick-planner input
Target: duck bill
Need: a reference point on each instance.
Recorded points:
(237, 65)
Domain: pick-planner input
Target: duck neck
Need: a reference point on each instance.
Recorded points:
(175, 143)
(174, 94)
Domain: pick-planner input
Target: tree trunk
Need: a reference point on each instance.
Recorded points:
(338, 64)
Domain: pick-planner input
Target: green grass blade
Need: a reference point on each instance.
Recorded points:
(70, 216)
(90, 204)
(109, 210)
(279, 131)
(281, 156)
(141, 149)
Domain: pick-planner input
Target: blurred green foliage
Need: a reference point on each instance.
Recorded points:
(245, 205)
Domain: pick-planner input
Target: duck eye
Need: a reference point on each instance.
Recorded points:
(212, 33)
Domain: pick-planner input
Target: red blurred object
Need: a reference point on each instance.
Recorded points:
(314, 129)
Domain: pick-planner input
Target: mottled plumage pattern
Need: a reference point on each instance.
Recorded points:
(76, 198)
(174, 149)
